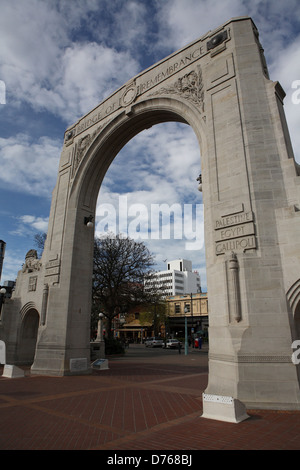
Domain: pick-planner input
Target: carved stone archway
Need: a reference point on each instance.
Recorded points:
(30, 320)
(220, 86)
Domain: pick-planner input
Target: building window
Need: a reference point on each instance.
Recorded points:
(32, 283)
(177, 308)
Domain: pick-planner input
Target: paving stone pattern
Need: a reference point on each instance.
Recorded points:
(140, 403)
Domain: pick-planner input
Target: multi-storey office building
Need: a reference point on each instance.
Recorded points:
(178, 279)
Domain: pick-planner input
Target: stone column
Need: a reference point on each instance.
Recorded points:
(234, 288)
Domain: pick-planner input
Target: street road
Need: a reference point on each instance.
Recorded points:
(139, 352)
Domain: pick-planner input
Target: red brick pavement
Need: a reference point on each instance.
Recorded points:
(139, 403)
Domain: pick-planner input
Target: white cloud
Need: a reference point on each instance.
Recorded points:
(131, 21)
(28, 225)
(159, 166)
(13, 261)
(38, 223)
(48, 62)
(182, 22)
(31, 41)
(89, 73)
(286, 70)
(42, 66)
(27, 166)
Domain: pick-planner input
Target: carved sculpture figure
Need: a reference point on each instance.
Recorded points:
(32, 263)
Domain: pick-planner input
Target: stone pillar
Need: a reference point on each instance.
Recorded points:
(247, 188)
(44, 304)
(234, 288)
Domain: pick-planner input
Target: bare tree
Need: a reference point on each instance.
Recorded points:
(39, 240)
(120, 265)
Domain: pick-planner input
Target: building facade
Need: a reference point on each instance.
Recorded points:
(194, 308)
(178, 279)
(165, 321)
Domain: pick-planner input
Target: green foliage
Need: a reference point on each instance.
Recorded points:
(154, 313)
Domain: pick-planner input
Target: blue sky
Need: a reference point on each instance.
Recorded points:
(61, 58)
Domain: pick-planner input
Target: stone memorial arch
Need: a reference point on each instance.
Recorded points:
(220, 86)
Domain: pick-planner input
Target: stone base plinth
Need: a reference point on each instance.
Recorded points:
(12, 372)
(222, 408)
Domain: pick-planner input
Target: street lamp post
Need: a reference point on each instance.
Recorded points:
(185, 332)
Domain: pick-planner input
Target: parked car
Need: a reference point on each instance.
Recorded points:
(173, 344)
(154, 343)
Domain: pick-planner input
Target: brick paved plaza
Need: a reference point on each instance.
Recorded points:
(146, 400)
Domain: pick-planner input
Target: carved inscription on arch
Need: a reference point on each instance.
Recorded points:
(235, 232)
(150, 79)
